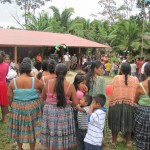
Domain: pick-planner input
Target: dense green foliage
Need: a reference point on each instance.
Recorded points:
(122, 35)
(120, 30)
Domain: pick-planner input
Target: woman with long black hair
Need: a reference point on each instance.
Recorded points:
(121, 104)
(95, 83)
(58, 126)
(142, 112)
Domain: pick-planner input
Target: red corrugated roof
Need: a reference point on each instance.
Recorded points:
(11, 37)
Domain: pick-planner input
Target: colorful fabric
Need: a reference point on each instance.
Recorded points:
(97, 86)
(3, 94)
(24, 121)
(108, 66)
(120, 118)
(144, 100)
(3, 71)
(58, 127)
(121, 93)
(142, 127)
(25, 115)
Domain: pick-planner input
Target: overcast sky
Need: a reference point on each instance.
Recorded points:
(83, 8)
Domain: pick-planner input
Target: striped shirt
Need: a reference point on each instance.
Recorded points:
(96, 123)
(83, 118)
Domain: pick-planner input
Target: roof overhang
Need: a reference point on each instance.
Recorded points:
(26, 38)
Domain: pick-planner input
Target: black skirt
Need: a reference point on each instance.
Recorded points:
(120, 118)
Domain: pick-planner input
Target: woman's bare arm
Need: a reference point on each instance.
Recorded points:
(73, 95)
(44, 93)
(38, 84)
(10, 92)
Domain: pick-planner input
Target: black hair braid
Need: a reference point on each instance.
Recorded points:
(61, 99)
(126, 70)
(126, 79)
(89, 77)
(61, 71)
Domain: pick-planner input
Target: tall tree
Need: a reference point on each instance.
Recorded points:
(109, 9)
(38, 23)
(126, 36)
(79, 26)
(64, 18)
(43, 22)
(127, 8)
(142, 4)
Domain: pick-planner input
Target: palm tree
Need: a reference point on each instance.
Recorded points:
(126, 35)
(63, 18)
(79, 26)
(40, 23)
(98, 31)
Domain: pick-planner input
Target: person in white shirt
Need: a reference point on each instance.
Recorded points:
(133, 68)
(96, 121)
(124, 60)
(12, 64)
(67, 60)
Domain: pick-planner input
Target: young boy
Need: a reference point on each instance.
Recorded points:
(96, 119)
(82, 118)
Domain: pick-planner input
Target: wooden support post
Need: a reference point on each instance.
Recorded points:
(15, 54)
(79, 51)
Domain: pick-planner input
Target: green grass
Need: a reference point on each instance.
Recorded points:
(120, 143)
(5, 143)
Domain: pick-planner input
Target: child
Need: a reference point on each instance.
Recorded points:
(82, 116)
(79, 84)
(81, 88)
(96, 119)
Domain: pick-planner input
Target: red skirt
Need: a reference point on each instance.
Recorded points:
(3, 94)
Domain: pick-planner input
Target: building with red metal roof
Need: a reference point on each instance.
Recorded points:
(25, 38)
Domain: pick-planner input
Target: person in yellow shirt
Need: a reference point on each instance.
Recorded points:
(108, 67)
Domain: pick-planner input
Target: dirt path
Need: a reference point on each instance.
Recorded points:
(70, 78)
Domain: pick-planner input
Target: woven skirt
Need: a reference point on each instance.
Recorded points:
(120, 118)
(3, 94)
(58, 127)
(24, 121)
(142, 127)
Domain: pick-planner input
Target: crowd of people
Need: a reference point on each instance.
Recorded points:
(64, 115)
